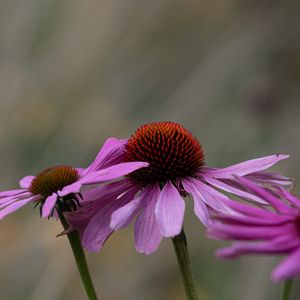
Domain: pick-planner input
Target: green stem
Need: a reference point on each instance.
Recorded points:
(287, 288)
(181, 250)
(80, 259)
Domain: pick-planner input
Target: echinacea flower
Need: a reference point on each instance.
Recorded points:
(268, 230)
(60, 186)
(153, 196)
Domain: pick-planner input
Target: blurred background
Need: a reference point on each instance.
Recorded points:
(73, 73)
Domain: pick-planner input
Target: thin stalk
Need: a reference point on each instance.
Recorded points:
(287, 288)
(181, 250)
(80, 259)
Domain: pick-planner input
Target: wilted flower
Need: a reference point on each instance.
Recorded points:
(154, 194)
(60, 186)
(273, 229)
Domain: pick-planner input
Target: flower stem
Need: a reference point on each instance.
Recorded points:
(287, 288)
(181, 250)
(80, 259)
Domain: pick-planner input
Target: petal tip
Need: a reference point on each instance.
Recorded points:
(282, 156)
(225, 253)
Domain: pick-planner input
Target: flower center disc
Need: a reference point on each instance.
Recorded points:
(52, 180)
(170, 149)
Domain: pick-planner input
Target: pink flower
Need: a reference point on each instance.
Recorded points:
(273, 229)
(60, 186)
(153, 196)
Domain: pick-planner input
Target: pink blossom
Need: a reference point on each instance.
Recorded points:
(268, 230)
(153, 197)
(62, 185)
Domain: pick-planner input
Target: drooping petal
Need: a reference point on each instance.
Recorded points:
(269, 177)
(111, 153)
(9, 199)
(289, 268)
(169, 211)
(247, 167)
(111, 173)
(268, 247)
(289, 197)
(245, 233)
(97, 198)
(146, 230)
(49, 205)
(279, 205)
(200, 207)
(98, 230)
(73, 188)
(26, 181)
(250, 220)
(257, 212)
(16, 205)
(201, 211)
(201, 192)
(12, 193)
(120, 217)
(230, 189)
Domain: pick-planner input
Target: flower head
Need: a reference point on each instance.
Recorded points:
(171, 151)
(272, 229)
(60, 187)
(153, 195)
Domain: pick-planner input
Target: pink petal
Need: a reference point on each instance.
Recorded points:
(9, 199)
(201, 211)
(25, 182)
(49, 205)
(230, 189)
(245, 233)
(269, 247)
(111, 189)
(254, 211)
(97, 198)
(12, 193)
(246, 167)
(279, 205)
(73, 188)
(146, 230)
(97, 231)
(250, 220)
(120, 217)
(169, 211)
(16, 205)
(290, 197)
(269, 177)
(201, 192)
(111, 173)
(289, 268)
(111, 153)
(200, 208)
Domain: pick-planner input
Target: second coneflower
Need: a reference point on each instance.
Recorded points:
(58, 190)
(59, 187)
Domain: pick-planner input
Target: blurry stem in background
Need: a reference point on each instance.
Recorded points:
(80, 259)
(286, 291)
(180, 246)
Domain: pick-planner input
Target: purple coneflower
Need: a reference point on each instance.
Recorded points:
(273, 229)
(60, 186)
(154, 194)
